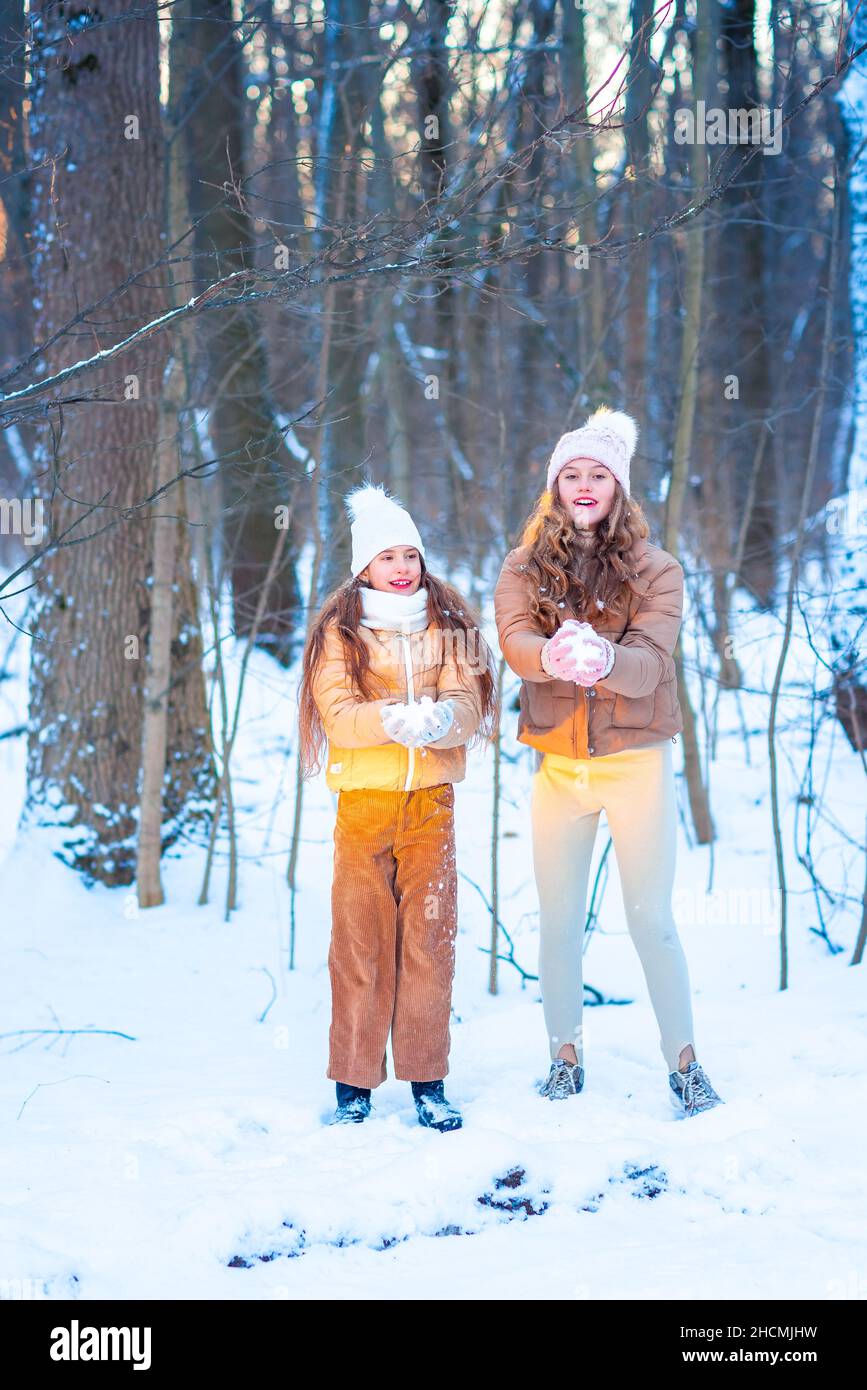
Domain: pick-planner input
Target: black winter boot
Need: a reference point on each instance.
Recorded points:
(434, 1111)
(353, 1104)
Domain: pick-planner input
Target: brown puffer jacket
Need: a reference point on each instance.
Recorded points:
(636, 704)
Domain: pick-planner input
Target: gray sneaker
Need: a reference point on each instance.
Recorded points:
(691, 1090)
(564, 1079)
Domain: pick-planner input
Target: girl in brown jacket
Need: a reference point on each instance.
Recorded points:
(588, 614)
(397, 679)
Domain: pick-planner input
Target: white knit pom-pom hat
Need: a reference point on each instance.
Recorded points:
(609, 436)
(379, 521)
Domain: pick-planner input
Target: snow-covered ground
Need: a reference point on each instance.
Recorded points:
(182, 1151)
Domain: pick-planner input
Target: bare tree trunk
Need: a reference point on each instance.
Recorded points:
(168, 621)
(589, 319)
(188, 788)
(861, 940)
(317, 482)
(156, 701)
(532, 112)
(393, 375)
(638, 206)
(92, 600)
(794, 569)
(13, 155)
(432, 81)
(690, 347)
(742, 319)
(16, 338)
(344, 104)
(91, 615)
(259, 473)
(495, 839)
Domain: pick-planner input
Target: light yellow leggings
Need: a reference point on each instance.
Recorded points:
(635, 788)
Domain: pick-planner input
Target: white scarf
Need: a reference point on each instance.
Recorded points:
(387, 609)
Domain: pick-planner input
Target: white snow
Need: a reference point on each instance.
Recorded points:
(416, 714)
(580, 644)
(189, 1130)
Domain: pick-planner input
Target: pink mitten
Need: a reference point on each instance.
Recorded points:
(576, 652)
(598, 658)
(558, 654)
(589, 675)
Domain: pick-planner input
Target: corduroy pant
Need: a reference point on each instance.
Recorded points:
(635, 788)
(393, 927)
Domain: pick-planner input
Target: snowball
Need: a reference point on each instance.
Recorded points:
(580, 646)
(414, 714)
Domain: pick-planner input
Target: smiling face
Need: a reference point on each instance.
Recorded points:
(395, 571)
(582, 479)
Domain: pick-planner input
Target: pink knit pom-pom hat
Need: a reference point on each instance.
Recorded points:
(609, 436)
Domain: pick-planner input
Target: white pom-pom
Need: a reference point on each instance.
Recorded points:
(367, 499)
(619, 422)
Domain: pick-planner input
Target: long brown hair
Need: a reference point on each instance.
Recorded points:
(446, 607)
(560, 568)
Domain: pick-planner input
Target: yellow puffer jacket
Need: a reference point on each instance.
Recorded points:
(413, 664)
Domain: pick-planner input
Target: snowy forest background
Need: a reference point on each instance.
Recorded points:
(249, 256)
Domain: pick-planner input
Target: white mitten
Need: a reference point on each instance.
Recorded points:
(417, 723)
(394, 721)
(435, 720)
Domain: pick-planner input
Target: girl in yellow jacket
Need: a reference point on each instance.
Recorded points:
(397, 681)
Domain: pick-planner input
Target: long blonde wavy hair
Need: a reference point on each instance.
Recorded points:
(561, 569)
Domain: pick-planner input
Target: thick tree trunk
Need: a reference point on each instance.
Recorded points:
(97, 167)
(92, 601)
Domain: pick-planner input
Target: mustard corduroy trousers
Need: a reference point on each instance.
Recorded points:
(393, 927)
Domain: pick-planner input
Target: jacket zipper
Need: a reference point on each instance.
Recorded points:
(410, 699)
